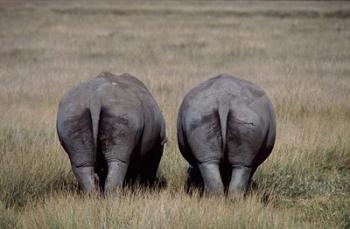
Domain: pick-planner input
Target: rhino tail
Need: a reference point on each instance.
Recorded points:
(223, 111)
(95, 110)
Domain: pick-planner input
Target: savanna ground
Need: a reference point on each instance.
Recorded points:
(298, 52)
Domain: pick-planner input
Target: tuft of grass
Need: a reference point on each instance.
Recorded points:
(31, 166)
(8, 217)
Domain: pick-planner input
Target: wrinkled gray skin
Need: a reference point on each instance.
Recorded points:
(112, 126)
(226, 129)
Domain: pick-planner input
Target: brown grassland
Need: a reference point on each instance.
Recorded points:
(299, 52)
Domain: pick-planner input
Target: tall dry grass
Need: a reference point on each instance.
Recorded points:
(298, 52)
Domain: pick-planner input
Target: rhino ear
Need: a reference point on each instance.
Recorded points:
(104, 74)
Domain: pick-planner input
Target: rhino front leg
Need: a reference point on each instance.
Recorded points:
(116, 175)
(85, 177)
(211, 177)
(240, 180)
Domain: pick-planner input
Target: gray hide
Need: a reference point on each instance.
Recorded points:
(226, 129)
(111, 126)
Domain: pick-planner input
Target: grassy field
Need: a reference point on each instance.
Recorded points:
(298, 52)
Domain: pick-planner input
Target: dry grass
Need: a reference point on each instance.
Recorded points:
(150, 210)
(298, 52)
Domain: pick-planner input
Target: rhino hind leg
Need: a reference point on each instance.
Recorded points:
(240, 180)
(205, 141)
(148, 172)
(194, 180)
(117, 137)
(86, 178)
(75, 134)
(116, 175)
(210, 172)
(143, 170)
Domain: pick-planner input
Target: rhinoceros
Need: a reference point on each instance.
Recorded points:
(112, 130)
(226, 128)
